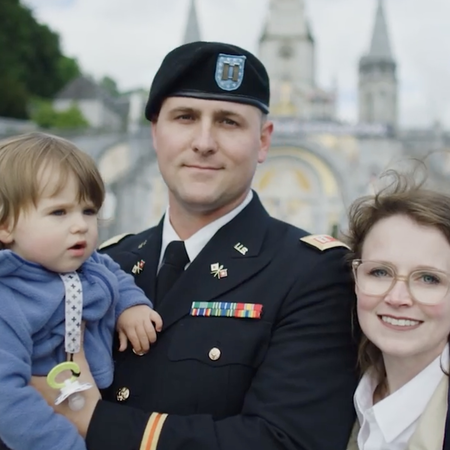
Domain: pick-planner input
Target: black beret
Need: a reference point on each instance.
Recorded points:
(210, 70)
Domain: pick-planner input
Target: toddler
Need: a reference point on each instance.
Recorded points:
(52, 279)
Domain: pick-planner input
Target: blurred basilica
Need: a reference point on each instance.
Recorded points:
(317, 164)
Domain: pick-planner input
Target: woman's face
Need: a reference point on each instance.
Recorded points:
(401, 327)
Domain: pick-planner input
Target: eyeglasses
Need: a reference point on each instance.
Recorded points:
(428, 287)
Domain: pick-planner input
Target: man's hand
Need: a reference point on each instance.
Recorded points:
(138, 325)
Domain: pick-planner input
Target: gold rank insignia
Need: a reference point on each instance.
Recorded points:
(113, 240)
(138, 267)
(219, 271)
(323, 241)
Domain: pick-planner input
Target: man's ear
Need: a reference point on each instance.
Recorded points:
(6, 235)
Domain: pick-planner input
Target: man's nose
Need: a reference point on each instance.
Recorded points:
(204, 141)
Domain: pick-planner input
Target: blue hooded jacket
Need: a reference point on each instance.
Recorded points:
(32, 331)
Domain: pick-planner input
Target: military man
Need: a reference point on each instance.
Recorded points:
(256, 350)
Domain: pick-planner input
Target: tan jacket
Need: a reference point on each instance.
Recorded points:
(429, 434)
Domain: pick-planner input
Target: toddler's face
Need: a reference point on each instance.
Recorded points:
(60, 232)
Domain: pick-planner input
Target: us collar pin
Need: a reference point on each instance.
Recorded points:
(241, 248)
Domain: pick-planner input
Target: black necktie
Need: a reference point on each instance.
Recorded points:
(173, 264)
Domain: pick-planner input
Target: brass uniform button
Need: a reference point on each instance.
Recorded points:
(214, 354)
(122, 394)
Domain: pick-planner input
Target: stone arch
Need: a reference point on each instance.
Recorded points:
(299, 187)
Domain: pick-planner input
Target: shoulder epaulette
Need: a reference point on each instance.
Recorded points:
(323, 241)
(113, 240)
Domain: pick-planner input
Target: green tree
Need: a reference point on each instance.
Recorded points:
(31, 61)
(13, 97)
(68, 69)
(45, 116)
(110, 86)
(71, 118)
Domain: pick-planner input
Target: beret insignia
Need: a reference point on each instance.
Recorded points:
(230, 71)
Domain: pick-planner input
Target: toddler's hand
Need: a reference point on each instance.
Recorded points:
(138, 325)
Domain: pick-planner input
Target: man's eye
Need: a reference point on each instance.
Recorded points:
(185, 117)
(230, 122)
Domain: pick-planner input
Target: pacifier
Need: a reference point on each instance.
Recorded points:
(70, 388)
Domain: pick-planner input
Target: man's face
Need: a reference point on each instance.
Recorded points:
(208, 151)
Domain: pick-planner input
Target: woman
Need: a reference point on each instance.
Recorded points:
(401, 249)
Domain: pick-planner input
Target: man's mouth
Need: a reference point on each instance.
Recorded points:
(201, 167)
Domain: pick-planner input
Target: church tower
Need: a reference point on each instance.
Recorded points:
(377, 77)
(286, 45)
(192, 30)
(287, 49)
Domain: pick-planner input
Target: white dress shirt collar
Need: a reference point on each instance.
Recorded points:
(396, 413)
(196, 243)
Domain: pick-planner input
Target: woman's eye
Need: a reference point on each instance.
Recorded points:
(429, 278)
(380, 273)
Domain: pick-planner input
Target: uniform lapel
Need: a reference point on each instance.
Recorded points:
(148, 251)
(197, 283)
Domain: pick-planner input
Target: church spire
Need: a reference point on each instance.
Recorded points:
(287, 18)
(192, 31)
(287, 49)
(378, 84)
(380, 46)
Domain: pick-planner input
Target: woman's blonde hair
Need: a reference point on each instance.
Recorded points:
(406, 195)
(23, 159)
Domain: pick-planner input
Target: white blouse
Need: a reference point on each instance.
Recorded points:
(390, 423)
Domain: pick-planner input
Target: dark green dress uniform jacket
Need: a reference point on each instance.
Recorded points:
(281, 382)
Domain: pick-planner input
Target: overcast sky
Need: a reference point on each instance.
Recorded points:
(128, 39)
